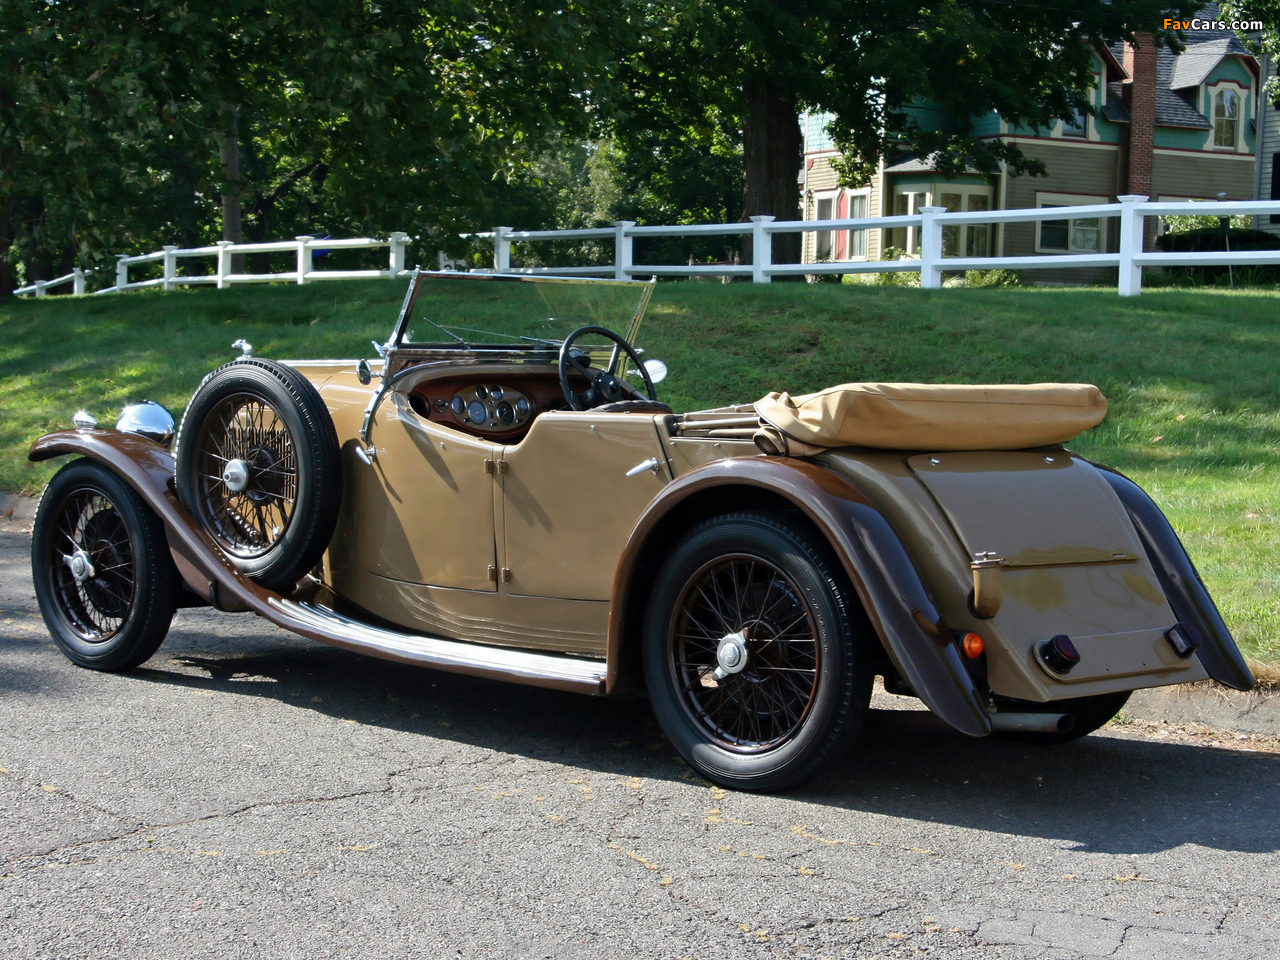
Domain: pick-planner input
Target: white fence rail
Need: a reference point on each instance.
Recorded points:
(224, 251)
(929, 222)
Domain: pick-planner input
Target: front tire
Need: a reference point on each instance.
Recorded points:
(104, 579)
(753, 665)
(258, 466)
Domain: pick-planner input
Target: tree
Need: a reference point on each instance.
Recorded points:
(870, 62)
(344, 114)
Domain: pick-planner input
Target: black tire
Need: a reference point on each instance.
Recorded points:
(1090, 713)
(272, 420)
(117, 614)
(793, 706)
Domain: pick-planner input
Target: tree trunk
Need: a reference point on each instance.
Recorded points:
(771, 156)
(229, 156)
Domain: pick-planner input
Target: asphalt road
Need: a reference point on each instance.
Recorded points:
(248, 793)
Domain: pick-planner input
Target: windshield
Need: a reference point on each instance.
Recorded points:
(468, 310)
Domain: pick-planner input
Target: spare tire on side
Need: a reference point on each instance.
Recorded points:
(258, 465)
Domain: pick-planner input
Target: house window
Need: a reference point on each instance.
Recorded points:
(1226, 118)
(857, 238)
(825, 239)
(907, 239)
(1275, 183)
(1074, 235)
(1076, 126)
(970, 239)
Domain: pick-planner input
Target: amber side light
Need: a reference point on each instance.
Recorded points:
(972, 646)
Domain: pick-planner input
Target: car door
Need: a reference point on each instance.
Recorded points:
(567, 505)
(423, 511)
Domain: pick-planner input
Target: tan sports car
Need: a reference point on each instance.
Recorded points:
(501, 493)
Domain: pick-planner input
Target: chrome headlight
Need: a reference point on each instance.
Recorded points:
(147, 419)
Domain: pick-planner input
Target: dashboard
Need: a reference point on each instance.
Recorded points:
(501, 408)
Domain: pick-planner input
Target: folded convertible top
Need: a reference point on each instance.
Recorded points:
(921, 416)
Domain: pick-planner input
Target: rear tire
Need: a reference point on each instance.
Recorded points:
(274, 521)
(754, 587)
(104, 579)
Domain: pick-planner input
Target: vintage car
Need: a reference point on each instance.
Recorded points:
(499, 498)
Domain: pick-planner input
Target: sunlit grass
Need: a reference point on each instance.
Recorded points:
(1193, 377)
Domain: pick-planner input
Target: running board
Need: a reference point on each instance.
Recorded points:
(456, 656)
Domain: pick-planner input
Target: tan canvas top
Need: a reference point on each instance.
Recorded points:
(922, 416)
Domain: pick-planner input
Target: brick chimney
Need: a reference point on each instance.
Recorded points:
(1140, 64)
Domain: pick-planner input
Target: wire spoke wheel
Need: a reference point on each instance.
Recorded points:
(258, 464)
(752, 660)
(751, 606)
(100, 564)
(90, 539)
(247, 515)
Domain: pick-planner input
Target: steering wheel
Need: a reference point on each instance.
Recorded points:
(605, 387)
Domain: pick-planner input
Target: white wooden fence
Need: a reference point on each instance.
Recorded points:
(929, 223)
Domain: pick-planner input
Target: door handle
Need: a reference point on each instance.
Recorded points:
(650, 464)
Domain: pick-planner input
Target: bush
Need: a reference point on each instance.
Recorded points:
(992, 278)
(1216, 239)
(909, 278)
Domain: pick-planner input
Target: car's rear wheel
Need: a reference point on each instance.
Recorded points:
(259, 467)
(104, 579)
(753, 665)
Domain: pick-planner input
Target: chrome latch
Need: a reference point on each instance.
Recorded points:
(651, 464)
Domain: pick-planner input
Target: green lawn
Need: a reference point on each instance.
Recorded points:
(1193, 377)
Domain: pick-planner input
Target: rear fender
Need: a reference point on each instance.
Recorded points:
(895, 600)
(1181, 583)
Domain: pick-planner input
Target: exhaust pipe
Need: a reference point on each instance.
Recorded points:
(1032, 722)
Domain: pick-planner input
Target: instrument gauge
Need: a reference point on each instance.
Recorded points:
(477, 412)
(506, 416)
(459, 407)
(495, 393)
(482, 392)
(522, 408)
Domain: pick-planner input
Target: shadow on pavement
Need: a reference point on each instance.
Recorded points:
(1102, 793)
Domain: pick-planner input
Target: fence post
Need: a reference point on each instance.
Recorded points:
(1132, 223)
(761, 250)
(224, 262)
(622, 242)
(930, 248)
(170, 265)
(122, 271)
(304, 259)
(501, 249)
(77, 282)
(399, 240)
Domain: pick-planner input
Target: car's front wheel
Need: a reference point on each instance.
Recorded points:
(105, 582)
(753, 664)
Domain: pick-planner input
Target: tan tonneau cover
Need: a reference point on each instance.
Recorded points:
(922, 416)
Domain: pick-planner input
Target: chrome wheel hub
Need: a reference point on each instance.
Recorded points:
(236, 475)
(80, 565)
(731, 655)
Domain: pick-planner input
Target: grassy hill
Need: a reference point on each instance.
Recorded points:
(1193, 377)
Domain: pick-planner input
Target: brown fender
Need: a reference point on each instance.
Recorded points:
(148, 468)
(1181, 583)
(895, 600)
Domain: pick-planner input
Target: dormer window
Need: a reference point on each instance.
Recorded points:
(1076, 126)
(1226, 119)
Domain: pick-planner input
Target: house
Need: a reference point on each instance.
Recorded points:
(1268, 174)
(1164, 125)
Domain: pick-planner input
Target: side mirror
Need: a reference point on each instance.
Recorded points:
(656, 369)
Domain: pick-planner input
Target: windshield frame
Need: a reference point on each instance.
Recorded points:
(420, 276)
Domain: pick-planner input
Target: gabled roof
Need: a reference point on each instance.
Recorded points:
(927, 165)
(1178, 76)
(1197, 61)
